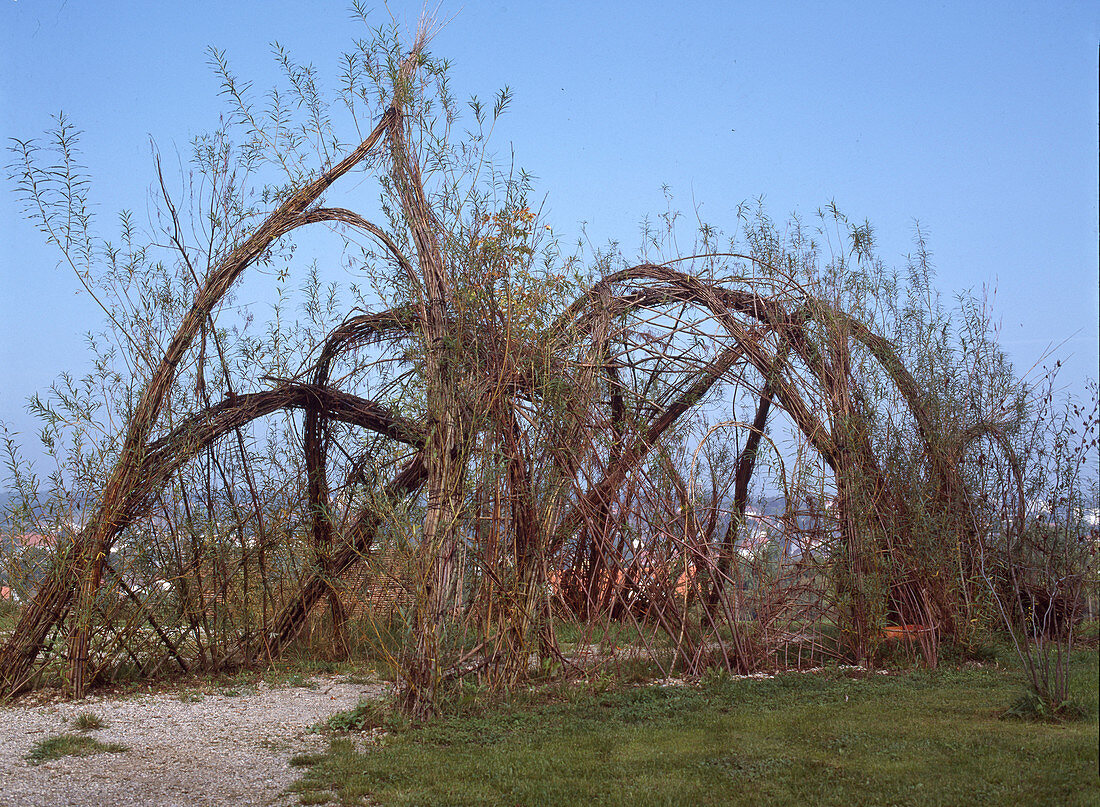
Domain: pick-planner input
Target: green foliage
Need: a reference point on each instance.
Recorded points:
(367, 715)
(1032, 706)
(70, 745)
(289, 677)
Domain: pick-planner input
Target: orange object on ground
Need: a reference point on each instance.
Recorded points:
(904, 633)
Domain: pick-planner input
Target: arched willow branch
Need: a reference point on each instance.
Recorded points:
(82, 569)
(197, 433)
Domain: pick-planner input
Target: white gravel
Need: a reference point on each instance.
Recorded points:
(225, 749)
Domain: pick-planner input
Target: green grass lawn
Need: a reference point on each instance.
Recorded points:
(911, 738)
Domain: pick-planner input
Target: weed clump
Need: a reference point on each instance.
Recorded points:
(1032, 708)
(88, 721)
(63, 745)
(366, 716)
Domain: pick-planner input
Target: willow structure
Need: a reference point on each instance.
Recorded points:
(541, 458)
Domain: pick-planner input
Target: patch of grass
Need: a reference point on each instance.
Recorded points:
(980, 650)
(88, 721)
(305, 760)
(1030, 706)
(1088, 633)
(288, 678)
(360, 678)
(237, 692)
(842, 737)
(316, 797)
(322, 666)
(70, 745)
(613, 634)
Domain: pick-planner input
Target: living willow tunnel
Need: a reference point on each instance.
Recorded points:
(543, 456)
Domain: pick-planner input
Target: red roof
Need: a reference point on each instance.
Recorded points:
(36, 539)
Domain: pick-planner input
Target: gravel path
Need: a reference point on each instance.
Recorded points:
(225, 749)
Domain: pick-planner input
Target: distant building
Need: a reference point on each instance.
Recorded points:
(35, 539)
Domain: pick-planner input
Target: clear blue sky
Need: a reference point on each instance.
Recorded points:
(977, 119)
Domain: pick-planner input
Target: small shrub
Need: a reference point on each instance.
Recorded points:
(70, 745)
(1031, 707)
(367, 715)
(88, 721)
(715, 677)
